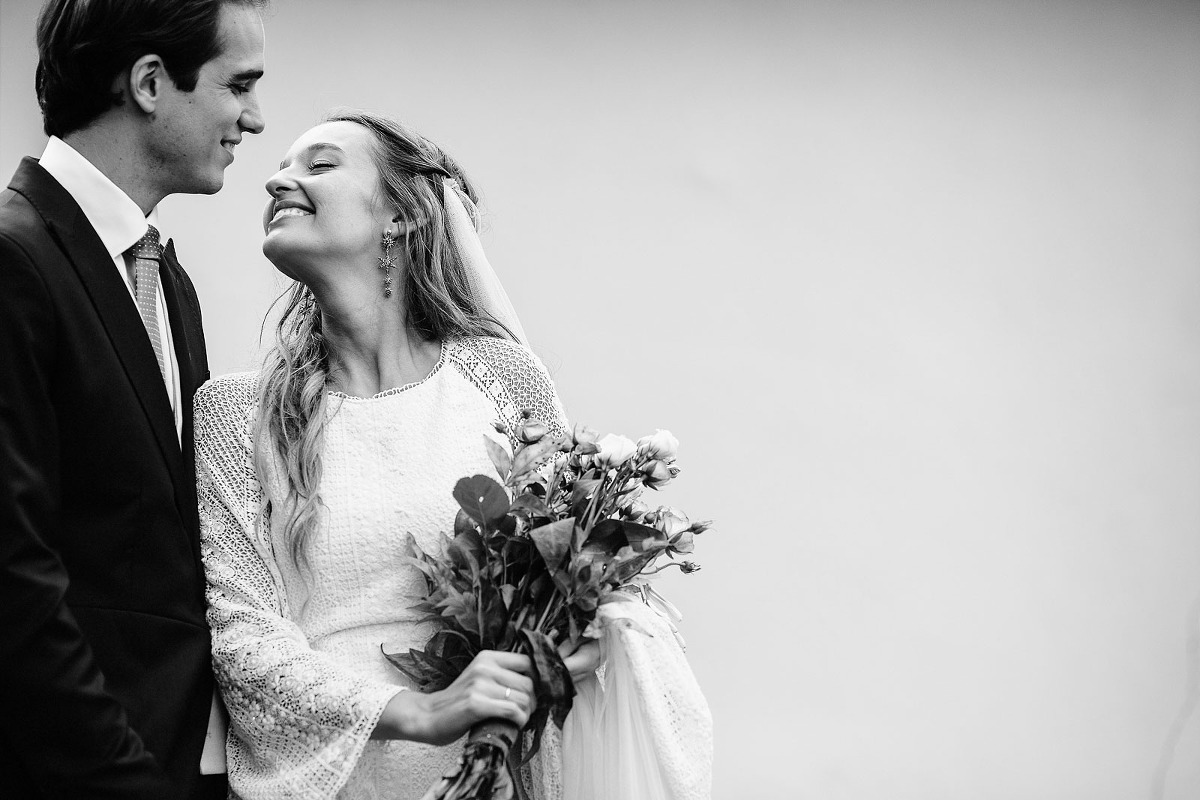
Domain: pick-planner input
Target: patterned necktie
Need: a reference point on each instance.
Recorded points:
(146, 255)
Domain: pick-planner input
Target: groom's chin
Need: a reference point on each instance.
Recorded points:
(207, 185)
(214, 185)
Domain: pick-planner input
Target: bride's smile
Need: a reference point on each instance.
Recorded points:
(289, 208)
(327, 209)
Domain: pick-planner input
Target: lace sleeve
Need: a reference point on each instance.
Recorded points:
(513, 377)
(298, 721)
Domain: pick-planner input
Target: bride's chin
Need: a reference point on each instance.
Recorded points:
(278, 258)
(279, 254)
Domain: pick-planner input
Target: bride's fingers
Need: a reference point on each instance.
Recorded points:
(515, 681)
(584, 660)
(513, 662)
(519, 697)
(509, 703)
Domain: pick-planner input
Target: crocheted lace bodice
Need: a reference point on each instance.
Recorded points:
(297, 648)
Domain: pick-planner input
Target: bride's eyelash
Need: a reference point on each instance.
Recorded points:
(319, 164)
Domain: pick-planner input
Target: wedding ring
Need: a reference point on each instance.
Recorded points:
(507, 692)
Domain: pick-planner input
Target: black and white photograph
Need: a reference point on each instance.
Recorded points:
(563, 400)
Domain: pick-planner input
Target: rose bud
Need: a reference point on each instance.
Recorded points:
(637, 510)
(615, 451)
(701, 526)
(661, 444)
(582, 433)
(682, 542)
(531, 431)
(656, 473)
(583, 440)
(688, 567)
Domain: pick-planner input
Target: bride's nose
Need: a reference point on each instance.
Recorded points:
(279, 183)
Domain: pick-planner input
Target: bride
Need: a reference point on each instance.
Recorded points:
(396, 352)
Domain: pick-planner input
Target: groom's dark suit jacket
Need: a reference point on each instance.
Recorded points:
(105, 677)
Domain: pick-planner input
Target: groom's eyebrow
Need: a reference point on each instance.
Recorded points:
(312, 148)
(248, 75)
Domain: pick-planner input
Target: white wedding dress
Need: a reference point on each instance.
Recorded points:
(297, 649)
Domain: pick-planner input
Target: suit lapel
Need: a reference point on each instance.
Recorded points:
(188, 338)
(69, 226)
(184, 328)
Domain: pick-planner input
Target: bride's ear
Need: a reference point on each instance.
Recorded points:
(401, 227)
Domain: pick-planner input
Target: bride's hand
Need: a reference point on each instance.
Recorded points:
(580, 658)
(494, 685)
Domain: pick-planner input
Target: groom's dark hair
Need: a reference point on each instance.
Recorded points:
(84, 44)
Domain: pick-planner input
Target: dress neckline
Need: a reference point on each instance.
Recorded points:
(445, 347)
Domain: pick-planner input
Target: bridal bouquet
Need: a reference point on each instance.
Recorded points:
(533, 556)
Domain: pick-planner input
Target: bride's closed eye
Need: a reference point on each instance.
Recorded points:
(320, 165)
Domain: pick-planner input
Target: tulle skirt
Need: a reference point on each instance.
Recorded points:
(642, 729)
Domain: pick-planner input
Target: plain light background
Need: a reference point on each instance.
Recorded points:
(917, 285)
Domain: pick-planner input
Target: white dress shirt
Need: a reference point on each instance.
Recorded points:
(120, 224)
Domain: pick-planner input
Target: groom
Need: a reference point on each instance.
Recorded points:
(106, 688)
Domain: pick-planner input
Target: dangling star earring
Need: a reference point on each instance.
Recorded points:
(387, 261)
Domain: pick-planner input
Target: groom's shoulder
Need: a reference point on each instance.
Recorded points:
(26, 250)
(20, 224)
(31, 197)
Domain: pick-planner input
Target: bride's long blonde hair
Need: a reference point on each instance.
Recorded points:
(293, 399)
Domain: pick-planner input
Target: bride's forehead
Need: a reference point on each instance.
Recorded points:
(347, 136)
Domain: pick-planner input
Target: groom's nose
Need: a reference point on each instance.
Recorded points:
(251, 120)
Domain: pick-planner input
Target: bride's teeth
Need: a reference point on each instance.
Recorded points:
(291, 212)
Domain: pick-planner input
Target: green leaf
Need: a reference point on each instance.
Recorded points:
(531, 505)
(484, 500)
(467, 552)
(643, 537)
(629, 562)
(463, 607)
(607, 535)
(462, 523)
(529, 455)
(554, 541)
(429, 672)
(500, 457)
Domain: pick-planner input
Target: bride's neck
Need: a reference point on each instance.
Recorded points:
(371, 348)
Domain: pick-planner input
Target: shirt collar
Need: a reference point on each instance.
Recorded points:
(116, 218)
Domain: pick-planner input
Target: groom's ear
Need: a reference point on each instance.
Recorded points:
(145, 82)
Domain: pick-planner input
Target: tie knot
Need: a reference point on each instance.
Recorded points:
(148, 246)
